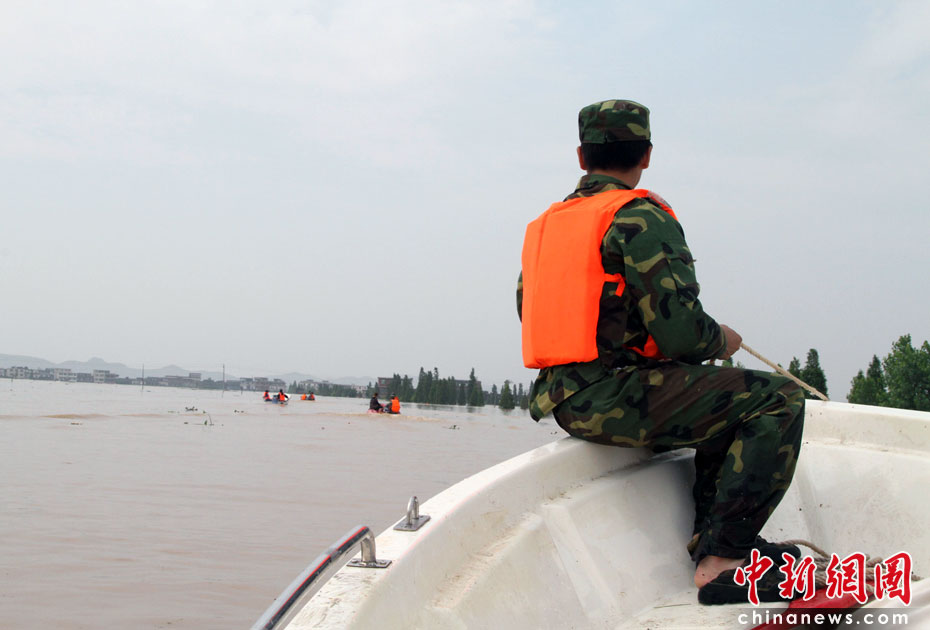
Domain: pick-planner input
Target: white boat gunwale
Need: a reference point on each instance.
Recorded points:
(499, 509)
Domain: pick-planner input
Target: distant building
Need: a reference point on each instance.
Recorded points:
(261, 383)
(64, 374)
(104, 376)
(176, 381)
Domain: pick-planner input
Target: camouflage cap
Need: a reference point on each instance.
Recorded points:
(613, 121)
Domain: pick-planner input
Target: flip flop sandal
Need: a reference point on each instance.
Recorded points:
(723, 589)
(774, 550)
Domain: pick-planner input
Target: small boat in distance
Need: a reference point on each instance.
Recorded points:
(279, 399)
(583, 536)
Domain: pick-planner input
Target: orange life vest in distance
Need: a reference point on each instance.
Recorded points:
(395, 405)
(563, 278)
(281, 397)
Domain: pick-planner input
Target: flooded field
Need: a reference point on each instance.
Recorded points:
(193, 509)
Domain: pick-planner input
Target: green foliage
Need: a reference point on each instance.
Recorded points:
(394, 387)
(794, 368)
(461, 397)
(475, 395)
(432, 389)
(341, 391)
(434, 397)
(506, 399)
(424, 383)
(729, 363)
(406, 389)
(523, 397)
(869, 388)
(907, 375)
(812, 374)
(901, 379)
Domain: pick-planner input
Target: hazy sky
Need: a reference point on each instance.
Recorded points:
(341, 188)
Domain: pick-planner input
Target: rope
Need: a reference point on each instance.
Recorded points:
(821, 564)
(783, 372)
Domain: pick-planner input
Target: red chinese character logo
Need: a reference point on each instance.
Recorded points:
(752, 573)
(894, 578)
(847, 577)
(798, 578)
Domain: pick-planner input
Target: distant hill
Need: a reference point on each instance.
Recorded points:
(96, 363)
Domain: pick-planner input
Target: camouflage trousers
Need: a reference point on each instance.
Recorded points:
(745, 425)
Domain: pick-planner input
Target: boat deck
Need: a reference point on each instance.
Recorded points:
(577, 536)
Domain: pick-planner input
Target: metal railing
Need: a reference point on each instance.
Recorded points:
(286, 606)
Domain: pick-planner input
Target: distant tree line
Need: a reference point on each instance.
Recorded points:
(327, 389)
(434, 390)
(811, 373)
(509, 397)
(901, 379)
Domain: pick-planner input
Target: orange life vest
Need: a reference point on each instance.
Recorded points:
(563, 278)
(281, 397)
(395, 405)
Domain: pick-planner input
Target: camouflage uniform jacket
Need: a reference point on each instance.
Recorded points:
(647, 246)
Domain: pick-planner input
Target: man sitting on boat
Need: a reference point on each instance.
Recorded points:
(282, 397)
(267, 396)
(374, 405)
(621, 349)
(394, 407)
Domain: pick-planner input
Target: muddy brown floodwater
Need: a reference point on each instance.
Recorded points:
(193, 509)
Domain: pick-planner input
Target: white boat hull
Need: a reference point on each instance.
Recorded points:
(577, 535)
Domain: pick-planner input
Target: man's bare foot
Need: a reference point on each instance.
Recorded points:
(712, 566)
